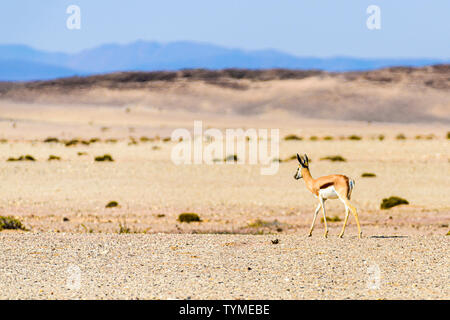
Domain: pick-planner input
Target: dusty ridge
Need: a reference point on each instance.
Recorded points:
(401, 94)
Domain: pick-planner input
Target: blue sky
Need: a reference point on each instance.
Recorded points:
(409, 29)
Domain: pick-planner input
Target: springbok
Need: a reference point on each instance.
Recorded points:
(328, 187)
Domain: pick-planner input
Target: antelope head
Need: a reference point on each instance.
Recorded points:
(303, 163)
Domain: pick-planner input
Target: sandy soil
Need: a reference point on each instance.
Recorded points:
(63, 202)
(77, 266)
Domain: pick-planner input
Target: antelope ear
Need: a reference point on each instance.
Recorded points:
(299, 159)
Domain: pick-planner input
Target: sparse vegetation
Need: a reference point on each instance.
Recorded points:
(331, 219)
(112, 204)
(11, 223)
(354, 137)
(400, 136)
(448, 135)
(313, 138)
(292, 137)
(51, 139)
(105, 157)
(368, 175)
(381, 137)
(123, 228)
(328, 138)
(146, 139)
(22, 158)
(189, 217)
(231, 158)
(393, 201)
(334, 158)
(53, 157)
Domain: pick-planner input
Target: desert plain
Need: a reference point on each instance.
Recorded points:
(251, 242)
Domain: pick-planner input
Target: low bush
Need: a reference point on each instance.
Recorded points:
(105, 157)
(22, 158)
(51, 139)
(334, 158)
(112, 204)
(292, 137)
(393, 201)
(368, 175)
(189, 217)
(11, 223)
(53, 157)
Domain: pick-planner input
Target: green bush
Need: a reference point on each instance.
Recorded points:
(112, 204)
(11, 223)
(354, 137)
(328, 138)
(334, 158)
(448, 135)
(368, 175)
(313, 138)
(189, 217)
(51, 139)
(393, 201)
(292, 137)
(22, 158)
(53, 157)
(105, 157)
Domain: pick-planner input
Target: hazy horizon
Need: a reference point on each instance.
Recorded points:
(409, 30)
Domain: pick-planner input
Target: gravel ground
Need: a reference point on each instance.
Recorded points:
(186, 266)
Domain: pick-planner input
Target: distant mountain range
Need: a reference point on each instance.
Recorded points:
(23, 63)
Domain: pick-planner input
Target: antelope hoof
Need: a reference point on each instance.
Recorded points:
(326, 234)
(360, 235)
(341, 235)
(310, 234)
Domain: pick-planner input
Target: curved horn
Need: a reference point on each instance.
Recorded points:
(306, 159)
(299, 159)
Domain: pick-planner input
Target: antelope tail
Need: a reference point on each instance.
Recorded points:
(351, 185)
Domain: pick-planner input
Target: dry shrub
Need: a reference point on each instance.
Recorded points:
(334, 158)
(53, 157)
(22, 158)
(112, 204)
(189, 217)
(105, 157)
(368, 175)
(393, 201)
(292, 137)
(11, 223)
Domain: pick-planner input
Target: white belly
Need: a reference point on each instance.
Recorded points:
(328, 193)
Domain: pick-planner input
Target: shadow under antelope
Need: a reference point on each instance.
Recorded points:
(335, 186)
